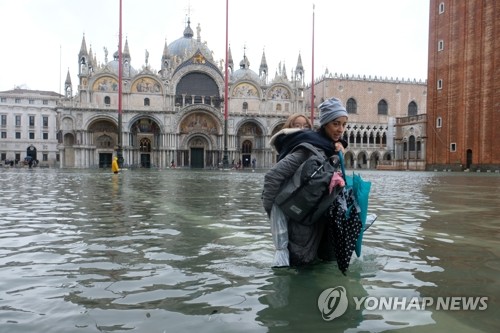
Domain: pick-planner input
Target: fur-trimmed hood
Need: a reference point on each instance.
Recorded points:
(275, 143)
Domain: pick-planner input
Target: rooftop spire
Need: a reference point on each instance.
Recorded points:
(299, 67)
(188, 32)
(83, 48)
(68, 79)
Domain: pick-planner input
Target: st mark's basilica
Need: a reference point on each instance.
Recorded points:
(175, 114)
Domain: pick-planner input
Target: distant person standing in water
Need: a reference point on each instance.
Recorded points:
(114, 165)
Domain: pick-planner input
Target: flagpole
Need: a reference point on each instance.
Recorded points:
(312, 71)
(225, 160)
(119, 152)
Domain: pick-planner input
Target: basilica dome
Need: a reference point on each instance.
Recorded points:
(245, 72)
(187, 45)
(113, 65)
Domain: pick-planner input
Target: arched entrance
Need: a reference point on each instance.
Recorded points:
(250, 137)
(349, 160)
(31, 153)
(246, 153)
(145, 140)
(69, 152)
(145, 151)
(197, 146)
(104, 135)
(199, 130)
(374, 160)
(469, 159)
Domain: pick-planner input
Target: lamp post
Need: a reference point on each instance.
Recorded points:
(225, 159)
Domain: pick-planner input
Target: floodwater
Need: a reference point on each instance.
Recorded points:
(190, 251)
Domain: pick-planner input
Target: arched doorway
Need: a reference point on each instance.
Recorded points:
(469, 159)
(69, 152)
(349, 159)
(145, 151)
(104, 135)
(374, 160)
(197, 146)
(362, 160)
(145, 138)
(199, 130)
(105, 142)
(31, 153)
(250, 137)
(246, 153)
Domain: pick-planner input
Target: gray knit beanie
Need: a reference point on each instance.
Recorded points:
(330, 110)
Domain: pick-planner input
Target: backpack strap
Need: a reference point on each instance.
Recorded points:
(309, 147)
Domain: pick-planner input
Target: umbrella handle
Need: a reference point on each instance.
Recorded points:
(341, 159)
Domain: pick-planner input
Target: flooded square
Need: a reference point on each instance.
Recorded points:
(184, 250)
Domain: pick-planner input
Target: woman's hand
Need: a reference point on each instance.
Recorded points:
(339, 147)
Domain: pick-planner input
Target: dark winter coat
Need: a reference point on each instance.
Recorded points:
(306, 243)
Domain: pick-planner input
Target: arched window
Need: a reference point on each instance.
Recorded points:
(439, 122)
(246, 147)
(382, 107)
(245, 106)
(145, 145)
(411, 143)
(351, 138)
(146, 101)
(412, 109)
(365, 138)
(104, 141)
(278, 107)
(107, 101)
(358, 137)
(352, 106)
(371, 139)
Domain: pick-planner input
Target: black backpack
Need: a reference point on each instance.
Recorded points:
(305, 197)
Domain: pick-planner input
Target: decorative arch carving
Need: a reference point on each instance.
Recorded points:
(105, 83)
(145, 125)
(146, 85)
(279, 92)
(103, 126)
(250, 128)
(245, 89)
(199, 122)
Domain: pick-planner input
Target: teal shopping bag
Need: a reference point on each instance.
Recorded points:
(361, 189)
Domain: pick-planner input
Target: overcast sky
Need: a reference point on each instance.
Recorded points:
(384, 38)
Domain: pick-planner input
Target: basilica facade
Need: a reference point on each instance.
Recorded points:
(175, 116)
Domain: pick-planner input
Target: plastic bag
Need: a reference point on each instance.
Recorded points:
(361, 190)
(279, 229)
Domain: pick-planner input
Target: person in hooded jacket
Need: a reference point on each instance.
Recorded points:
(278, 220)
(306, 243)
(115, 168)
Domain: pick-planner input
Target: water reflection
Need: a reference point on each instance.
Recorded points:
(182, 250)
